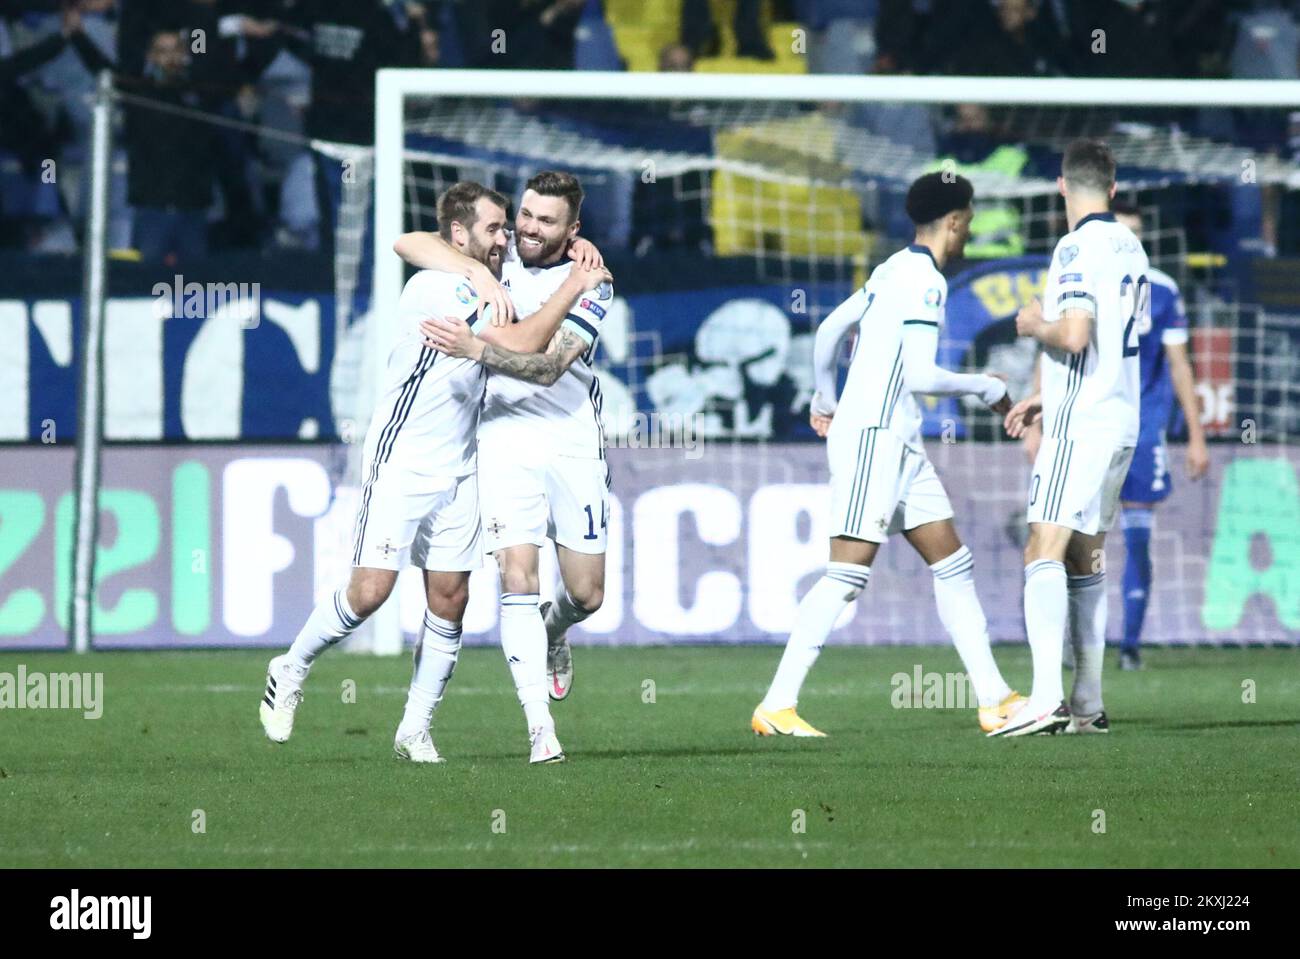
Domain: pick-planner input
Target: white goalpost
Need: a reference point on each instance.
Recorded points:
(784, 179)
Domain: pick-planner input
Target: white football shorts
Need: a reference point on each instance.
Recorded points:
(880, 486)
(1077, 483)
(432, 522)
(534, 496)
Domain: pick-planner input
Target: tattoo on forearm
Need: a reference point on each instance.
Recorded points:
(544, 368)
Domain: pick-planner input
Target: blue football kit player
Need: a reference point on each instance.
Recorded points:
(1166, 375)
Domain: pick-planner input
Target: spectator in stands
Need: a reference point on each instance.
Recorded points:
(903, 36)
(907, 124)
(976, 144)
(229, 45)
(700, 34)
(1136, 39)
(229, 41)
(1008, 38)
(27, 132)
(520, 34)
(22, 129)
(171, 157)
(1201, 34)
(841, 34)
(344, 42)
(423, 21)
(676, 58)
(1264, 45)
(239, 47)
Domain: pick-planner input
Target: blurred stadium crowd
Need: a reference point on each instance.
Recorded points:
(306, 68)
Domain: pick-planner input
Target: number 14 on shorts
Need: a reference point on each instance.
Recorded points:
(591, 520)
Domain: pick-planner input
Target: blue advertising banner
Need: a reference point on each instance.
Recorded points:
(244, 362)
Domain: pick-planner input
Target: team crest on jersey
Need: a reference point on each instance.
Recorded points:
(932, 296)
(1068, 253)
(604, 291)
(465, 293)
(586, 304)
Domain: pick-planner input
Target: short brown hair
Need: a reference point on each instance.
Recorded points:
(459, 204)
(1089, 165)
(555, 183)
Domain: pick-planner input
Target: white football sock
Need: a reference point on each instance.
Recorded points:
(818, 610)
(1045, 616)
(435, 660)
(328, 623)
(562, 614)
(1088, 608)
(963, 618)
(523, 640)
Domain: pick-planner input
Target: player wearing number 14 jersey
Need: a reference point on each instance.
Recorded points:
(1097, 299)
(542, 470)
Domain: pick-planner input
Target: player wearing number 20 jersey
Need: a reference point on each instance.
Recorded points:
(1095, 305)
(1091, 398)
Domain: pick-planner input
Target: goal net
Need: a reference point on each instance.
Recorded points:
(736, 215)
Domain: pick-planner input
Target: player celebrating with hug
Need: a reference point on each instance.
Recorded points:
(542, 462)
(420, 502)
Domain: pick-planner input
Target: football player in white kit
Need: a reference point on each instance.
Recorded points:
(881, 480)
(1098, 297)
(542, 468)
(420, 499)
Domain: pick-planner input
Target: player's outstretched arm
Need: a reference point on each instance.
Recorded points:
(1180, 372)
(428, 251)
(542, 368)
(1033, 433)
(1023, 415)
(922, 375)
(453, 336)
(534, 333)
(826, 354)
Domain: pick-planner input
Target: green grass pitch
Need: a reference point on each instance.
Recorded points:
(1190, 776)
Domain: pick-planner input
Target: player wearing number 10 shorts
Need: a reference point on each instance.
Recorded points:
(1097, 299)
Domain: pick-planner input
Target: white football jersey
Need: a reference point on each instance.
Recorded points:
(906, 288)
(1099, 267)
(426, 418)
(564, 416)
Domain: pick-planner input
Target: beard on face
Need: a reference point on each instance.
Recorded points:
(487, 254)
(531, 256)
